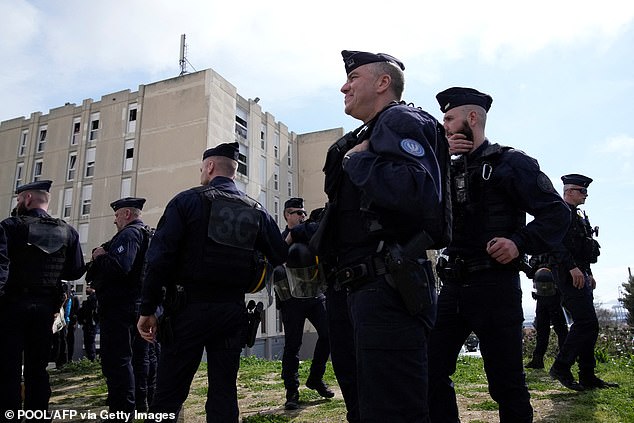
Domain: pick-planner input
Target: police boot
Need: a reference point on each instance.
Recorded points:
(593, 382)
(564, 376)
(535, 363)
(320, 387)
(292, 400)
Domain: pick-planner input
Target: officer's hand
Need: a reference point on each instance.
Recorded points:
(593, 283)
(147, 326)
(98, 252)
(458, 144)
(578, 279)
(364, 146)
(502, 250)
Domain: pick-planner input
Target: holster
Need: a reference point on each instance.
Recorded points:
(174, 302)
(412, 277)
(254, 317)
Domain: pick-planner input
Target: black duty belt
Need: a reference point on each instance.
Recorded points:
(354, 276)
(456, 269)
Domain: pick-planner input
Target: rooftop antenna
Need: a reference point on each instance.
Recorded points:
(183, 57)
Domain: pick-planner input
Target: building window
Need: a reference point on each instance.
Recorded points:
(262, 199)
(94, 126)
(24, 139)
(72, 166)
(90, 162)
(19, 175)
(132, 117)
(276, 145)
(276, 177)
(289, 186)
(126, 187)
(241, 123)
(128, 155)
(41, 140)
(76, 135)
(276, 210)
(263, 137)
(37, 169)
(68, 202)
(86, 199)
(82, 230)
(289, 155)
(262, 169)
(242, 160)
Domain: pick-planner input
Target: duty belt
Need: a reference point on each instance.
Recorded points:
(455, 269)
(354, 276)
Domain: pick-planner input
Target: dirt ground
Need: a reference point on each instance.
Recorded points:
(80, 393)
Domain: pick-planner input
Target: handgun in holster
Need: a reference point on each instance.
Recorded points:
(410, 273)
(175, 299)
(254, 317)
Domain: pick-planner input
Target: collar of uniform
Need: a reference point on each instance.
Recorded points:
(226, 184)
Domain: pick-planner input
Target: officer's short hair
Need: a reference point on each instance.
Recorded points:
(396, 74)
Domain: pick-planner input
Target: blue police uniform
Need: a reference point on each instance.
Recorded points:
(123, 354)
(578, 250)
(492, 190)
(379, 200)
(214, 314)
(294, 312)
(31, 297)
(548, 312)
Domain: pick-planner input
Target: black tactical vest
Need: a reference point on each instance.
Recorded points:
(229, 257)
(481, 210)
(40, 259)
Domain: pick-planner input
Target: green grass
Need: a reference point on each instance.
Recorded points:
(81, 385)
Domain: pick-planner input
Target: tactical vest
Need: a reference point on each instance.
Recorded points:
(229, 257)
(579, 241)
(481, 210)
(40, 260)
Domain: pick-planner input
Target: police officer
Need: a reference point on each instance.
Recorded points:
(295, 311)
(380, 181)
(42, 251)
(493, 187)
(205, 243)
(117, 270)
(87, 318)
(548, 310)
(576, 284)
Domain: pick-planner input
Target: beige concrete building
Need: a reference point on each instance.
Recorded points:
(149, 143)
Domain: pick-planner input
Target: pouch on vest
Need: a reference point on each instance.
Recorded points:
(47, 234)
(233, 224)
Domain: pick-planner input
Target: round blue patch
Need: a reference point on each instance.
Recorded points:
(412, 147)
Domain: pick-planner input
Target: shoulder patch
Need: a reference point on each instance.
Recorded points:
(544, 183)
(120, 249)
(412, 147)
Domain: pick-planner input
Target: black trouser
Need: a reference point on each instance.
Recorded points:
(548, 311)
(342, 352)
(581, 339)
(117, 323)
(295, 311)
(90, 331)
(216, 328)
(25, 328)
(391, 354)
(489, 303)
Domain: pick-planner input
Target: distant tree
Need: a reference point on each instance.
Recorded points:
(627, 299)
(605, 316)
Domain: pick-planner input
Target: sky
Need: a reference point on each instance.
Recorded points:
(561, 73)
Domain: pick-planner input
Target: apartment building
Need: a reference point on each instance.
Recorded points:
(149, 143)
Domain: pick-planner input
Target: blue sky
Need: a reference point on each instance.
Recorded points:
(561, 73)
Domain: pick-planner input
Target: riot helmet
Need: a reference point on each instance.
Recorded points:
(303, 271)
(544, 282)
